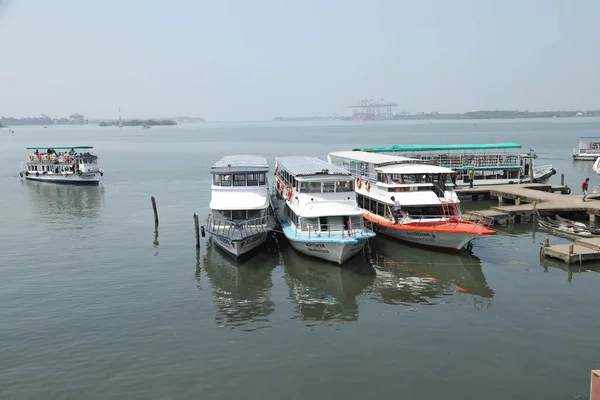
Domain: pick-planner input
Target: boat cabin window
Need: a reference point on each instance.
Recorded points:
(310, 187)
(326, 186)
(239, 179)
(344, 186)
(240, 215)
(225, 180)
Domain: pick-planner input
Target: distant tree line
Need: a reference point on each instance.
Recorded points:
(43, 120)
(138, 122)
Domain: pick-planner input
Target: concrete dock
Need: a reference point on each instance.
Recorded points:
(543, 198)
(585, 249)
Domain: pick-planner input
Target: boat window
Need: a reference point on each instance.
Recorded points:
(239, 180)
(408, 179)
(225, 180)
(261, 179)
(238, 215)
(380, 209)
(328, 187)
(252, 179)
(344, 186)
(222, 214)
(216, 180)
(306, 223)
(255, 214)
(310, 187)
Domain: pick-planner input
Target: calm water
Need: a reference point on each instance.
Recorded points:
(93, 306)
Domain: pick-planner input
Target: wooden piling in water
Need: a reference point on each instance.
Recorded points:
(547, 242)
(562, 179)
(197, 230)
(571, 249)
(155, 212)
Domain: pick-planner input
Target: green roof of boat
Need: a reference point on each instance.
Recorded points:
(430, 147)
(59, 147)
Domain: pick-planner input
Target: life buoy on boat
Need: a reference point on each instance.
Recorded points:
(26, 173)
(30, 158)
(368, 186)
(289, 193)
(358, 182)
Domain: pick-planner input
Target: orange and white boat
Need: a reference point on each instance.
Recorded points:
(430, 209)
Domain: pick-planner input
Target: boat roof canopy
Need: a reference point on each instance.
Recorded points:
(431, 147)
(369, 157)
(240, 163)
(307, 166)
(414, 169)
(60, 147)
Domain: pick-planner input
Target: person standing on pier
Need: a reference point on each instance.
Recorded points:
(584, 187)
(470, 174)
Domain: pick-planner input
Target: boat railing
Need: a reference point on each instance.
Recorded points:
(350, 230)
(476, 161)
(244, 228)
(475, 219)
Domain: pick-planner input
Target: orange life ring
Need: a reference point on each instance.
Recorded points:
(368, 186)
(358, 182)
(289, 194)
(30, 158)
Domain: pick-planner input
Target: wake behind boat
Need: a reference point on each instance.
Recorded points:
(62, 164)
(410, 201)
(315, 204)
(240, 219)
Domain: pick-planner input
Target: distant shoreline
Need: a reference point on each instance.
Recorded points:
(472, 115)
(137, 122)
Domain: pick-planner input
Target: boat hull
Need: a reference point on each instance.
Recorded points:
(330, 251)
(585, 157)
(450, 241)
(492, 182)
(91, 178)
(239, 247)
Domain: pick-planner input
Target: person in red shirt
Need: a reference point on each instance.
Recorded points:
(584, 187)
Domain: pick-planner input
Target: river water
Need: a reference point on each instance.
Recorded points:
(94, 306)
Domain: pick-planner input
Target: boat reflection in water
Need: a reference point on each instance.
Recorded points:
(65, 203)
(326, 292)
(410, 275)
(241, 290)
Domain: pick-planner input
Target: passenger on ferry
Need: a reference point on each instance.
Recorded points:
(398, 213)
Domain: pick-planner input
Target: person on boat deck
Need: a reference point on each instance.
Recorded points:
(37, 153)
(471, 173)
(72, 152)
(453, 177)
(398, 213)
(584, 187)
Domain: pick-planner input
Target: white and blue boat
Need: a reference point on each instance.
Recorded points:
(241, 217)
(75, 165)
(315, 204)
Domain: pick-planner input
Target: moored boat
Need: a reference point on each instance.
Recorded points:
(62, 164)
(588, 149)
(492, 164)
(315, 204)
(240, 218)
(409, 201)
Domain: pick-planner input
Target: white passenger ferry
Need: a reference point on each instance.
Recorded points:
(492, 163)
(315, 204)
(62, 164)
(241, 217)
(588, 150)
(410, 201)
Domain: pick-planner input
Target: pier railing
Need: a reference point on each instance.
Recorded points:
(240, 229)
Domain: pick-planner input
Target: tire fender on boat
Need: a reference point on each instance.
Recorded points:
(26, 173)
(568, 190)
(358, 182)
(37, 174)
(21, 174)
(368, 186)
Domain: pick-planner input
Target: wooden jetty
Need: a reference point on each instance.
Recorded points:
(585, 249)
(526, 199)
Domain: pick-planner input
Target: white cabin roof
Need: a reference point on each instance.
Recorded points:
(414, 169)
(373, 158)
(241, 162)
(302, 165)
(328, 208)
(228, 199)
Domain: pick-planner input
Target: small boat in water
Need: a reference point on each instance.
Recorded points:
(588, 149)
(241, 216)
(62, 164)
(409, 201)
(492, 163)
(315, 204)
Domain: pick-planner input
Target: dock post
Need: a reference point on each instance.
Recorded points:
(518, 201)
(197, 230)
(500, 200)
(562, 179)
(547, 242)
(571, 246)
(155, 212)
(592, 217)
(595, 385)
(534, 204)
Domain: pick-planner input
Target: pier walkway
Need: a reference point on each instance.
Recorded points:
(540, 197)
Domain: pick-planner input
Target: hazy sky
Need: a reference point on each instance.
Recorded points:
(258, 59)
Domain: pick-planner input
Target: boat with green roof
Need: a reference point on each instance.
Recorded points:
(492, 163)
(75, 165)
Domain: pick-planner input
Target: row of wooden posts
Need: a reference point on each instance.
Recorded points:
(199, 230)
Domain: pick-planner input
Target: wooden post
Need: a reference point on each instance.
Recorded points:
(531, 170)
(518, 201)
(595, 385)
(534, 204)
(197, 230)
(571, 246)
(562, 179)
(155, 212)
(547, 242)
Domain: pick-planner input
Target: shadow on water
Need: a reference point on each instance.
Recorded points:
(241, 290)
(68, 203)
(408, 275)
(323, 291)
